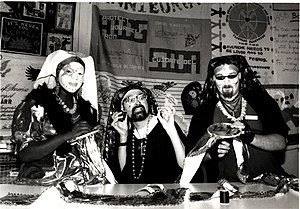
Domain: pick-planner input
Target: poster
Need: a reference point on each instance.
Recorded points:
(165, 9)
(286, 46)
(245, 29)
(178, 47)
(56, 41)
(120, 41)
(150, 46)
(21, 36)
(35, 9)
(64, 16)
(14, 84)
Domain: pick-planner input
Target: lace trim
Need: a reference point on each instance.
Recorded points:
(230, 117)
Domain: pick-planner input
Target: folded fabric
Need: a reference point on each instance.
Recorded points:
(165, 197)
(194, 159)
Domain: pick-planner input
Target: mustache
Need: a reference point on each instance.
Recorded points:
(138, 106)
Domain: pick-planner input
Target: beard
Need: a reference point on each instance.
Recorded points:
(139, 113)
(227, 92)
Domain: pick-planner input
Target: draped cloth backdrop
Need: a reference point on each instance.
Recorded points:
(154, 43)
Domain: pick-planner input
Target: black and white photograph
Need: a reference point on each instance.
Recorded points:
(168, 105)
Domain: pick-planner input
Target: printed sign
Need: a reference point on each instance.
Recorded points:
(14, 83)
(145, 46)
(286, 46)
(21, 36)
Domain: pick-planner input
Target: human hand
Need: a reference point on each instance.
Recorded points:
(80, 128)
(247, 136)
(166, 115)
(220, 149)
(120, 124)
(223, 148)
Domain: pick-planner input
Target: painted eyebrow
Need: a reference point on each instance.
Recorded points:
(232, 73)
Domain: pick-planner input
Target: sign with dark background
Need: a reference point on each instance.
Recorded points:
(26, 27)
(21, 36)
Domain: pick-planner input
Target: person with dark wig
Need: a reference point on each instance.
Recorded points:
(143, 142)
(232, 94)
(61, 107)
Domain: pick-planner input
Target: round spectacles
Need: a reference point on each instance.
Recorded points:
(222, 77)
(132, 99)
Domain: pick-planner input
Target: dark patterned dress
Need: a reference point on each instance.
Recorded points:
(38, 118)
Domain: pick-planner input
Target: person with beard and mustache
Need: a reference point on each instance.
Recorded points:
(233, 94)
(144, 143)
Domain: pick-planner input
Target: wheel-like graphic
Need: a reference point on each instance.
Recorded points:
(247, 21)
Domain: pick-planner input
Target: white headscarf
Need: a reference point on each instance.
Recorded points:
(48, 74)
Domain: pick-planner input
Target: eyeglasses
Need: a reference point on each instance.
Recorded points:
(222, 77)
(132, 99)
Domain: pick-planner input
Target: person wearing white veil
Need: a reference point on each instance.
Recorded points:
(61, 107)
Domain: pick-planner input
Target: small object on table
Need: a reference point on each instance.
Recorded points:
(224, 197)
(228, 186)
(199, 196)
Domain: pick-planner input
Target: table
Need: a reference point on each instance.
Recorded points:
(289, 200)
(8, 166)
(291, 159)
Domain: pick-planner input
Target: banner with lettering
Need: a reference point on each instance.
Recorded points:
(245, 29)
(286, 46)
(150, 46)
(176, 48)
(164, 45)
(14, 84)
(166, 9)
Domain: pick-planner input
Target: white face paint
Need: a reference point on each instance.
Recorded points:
(71, 76)
(227, 81)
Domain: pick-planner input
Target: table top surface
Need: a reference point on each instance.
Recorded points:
(289, 200)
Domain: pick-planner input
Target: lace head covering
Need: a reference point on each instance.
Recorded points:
(111, 136)
(248, 79)
(57, 60)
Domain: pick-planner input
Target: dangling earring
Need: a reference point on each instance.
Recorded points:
(79, 92)
(57, 87)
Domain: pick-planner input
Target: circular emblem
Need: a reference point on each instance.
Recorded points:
(248, 22)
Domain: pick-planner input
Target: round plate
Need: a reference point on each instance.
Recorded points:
(224, 130)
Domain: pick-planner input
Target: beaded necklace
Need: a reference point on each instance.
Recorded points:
(230, 117)
(143, 152)
(232, 106)
(64, 106)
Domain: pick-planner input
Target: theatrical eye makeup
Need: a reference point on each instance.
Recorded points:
(222, 77)
(71, 76)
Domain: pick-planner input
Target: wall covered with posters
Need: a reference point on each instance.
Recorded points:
(14, 83)
(266, 34)
(167, 46)
(162, 46)
(36, 28)
(29, 31)
(157, 44)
